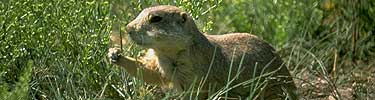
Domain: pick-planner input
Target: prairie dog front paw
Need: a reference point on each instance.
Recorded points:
(114, 54)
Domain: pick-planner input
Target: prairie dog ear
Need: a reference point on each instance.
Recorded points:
(184, 17)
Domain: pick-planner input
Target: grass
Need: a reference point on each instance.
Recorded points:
(57, 49)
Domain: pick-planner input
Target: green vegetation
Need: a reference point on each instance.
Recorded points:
(56, 49)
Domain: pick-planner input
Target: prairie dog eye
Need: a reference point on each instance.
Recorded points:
(155, 19)
(184, 17)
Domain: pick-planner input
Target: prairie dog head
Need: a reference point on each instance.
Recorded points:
(162, 27)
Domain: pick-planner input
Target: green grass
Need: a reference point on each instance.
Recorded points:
(57, 49)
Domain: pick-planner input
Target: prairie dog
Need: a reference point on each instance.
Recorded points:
(183, 57)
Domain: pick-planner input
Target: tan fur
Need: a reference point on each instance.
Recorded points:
(183, 57)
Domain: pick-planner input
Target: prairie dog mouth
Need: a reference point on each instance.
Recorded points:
(138, 39)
